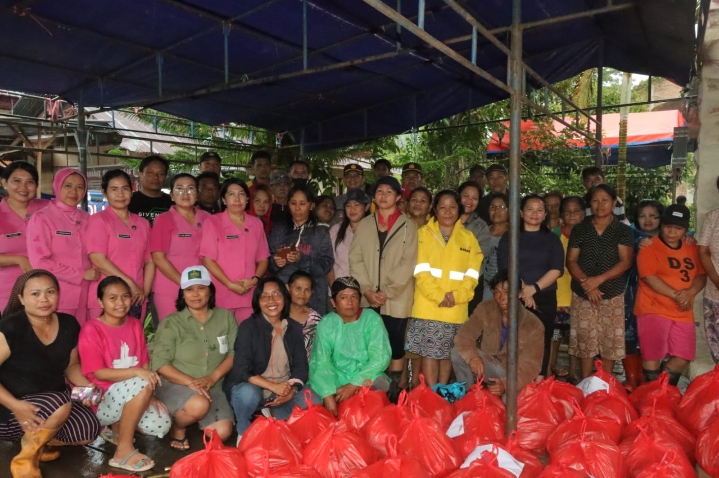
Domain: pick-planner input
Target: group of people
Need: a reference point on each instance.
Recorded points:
(264, 292)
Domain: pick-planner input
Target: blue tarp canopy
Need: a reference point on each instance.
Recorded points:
(173, 56)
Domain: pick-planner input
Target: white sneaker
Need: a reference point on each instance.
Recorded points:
(266, 412)
(239, 438)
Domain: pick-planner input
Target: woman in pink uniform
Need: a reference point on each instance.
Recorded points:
(234, 250)
(175, 242)
(20, 180)
(56, 242)
(118, 244)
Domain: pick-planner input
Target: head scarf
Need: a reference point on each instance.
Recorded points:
(13, 303)
(60, 177)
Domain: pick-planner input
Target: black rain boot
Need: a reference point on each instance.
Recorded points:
(394, 389)
(674, 376)
(650, 375)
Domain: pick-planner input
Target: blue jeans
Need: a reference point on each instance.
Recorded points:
(246, 397)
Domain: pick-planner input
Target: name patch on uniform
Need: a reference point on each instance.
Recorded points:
(184, 235)
(63, 233)
(464, 250)
(232, 237)
(14, 234)
(124, 236)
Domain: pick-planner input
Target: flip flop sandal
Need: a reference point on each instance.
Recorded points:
(142, 465)
(109, 436)
(560, 372)
(184, 444)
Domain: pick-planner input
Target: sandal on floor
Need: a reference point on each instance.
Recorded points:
(560, 372)
(143, 464)
(183, 444)
(109, 436)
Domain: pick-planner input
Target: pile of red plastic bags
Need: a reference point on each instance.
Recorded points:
(591, 430)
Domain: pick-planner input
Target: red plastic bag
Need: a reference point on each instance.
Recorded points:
(215, 461)
(669, 467)
(391, 421)
(483, 425)
(592, 428)
(307, 423)
(474, 396)
(394, 466)
(337, 452)
(663, 424)
(538, 416)
(356, 411)
(598, 458)
(485, 467)
(425, 440)
(698, 408)
(612, 405)
(292, 471)
(562, 470)
(431, 403)
(273, 436)
(649, 448)
(532, 465)
(707, 449)
(609, 378)
(666, 397)
(564, 394)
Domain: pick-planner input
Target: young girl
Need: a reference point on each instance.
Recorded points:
(301, 286)
(114, 357)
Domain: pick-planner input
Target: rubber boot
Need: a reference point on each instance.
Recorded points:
(49, 453)
(26, 463)
(633, 372)
(394, 388)
(650, 375)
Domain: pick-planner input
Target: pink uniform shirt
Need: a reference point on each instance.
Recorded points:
(102, 346)
(13, 242)
(125, 246)
(56, 242)
(237, 251)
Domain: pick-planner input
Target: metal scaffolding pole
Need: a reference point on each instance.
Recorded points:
(81, 139)
(515, 139)
(598, 158)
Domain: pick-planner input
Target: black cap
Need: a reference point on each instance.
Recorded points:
(389, 181)
(496, 167)
(677, 215)
(477, 167)
(412, 167)
(353, 167)
(210, 155)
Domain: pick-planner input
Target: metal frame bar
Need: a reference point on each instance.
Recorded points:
(515, 156)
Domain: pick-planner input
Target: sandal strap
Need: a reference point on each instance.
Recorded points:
(142, 462)
(124, 461)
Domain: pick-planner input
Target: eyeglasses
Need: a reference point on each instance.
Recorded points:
(273, 296)
(184, 191)
(500, 207)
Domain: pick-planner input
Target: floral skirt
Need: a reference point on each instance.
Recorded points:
(431, 338)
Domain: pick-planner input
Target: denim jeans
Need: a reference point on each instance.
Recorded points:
(246, 398)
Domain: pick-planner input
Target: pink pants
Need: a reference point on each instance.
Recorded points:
(659, 337)
(164, 304)
(241, 313)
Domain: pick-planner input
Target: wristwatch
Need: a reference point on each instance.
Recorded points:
(536, 287)
(255, 277)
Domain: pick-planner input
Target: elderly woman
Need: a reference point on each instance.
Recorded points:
(38, 358)
(598, 254)
(193, 352)
(56, 242)
(113, 354)
(20, 180)
(270, 362)
(175, 241)
(234, 250)
(447, 272)
(382, 257)
(117, 242)
(351, 346)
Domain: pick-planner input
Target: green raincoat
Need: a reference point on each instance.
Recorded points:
(348, 353)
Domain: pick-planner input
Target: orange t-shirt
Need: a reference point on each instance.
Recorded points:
(676, 267)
